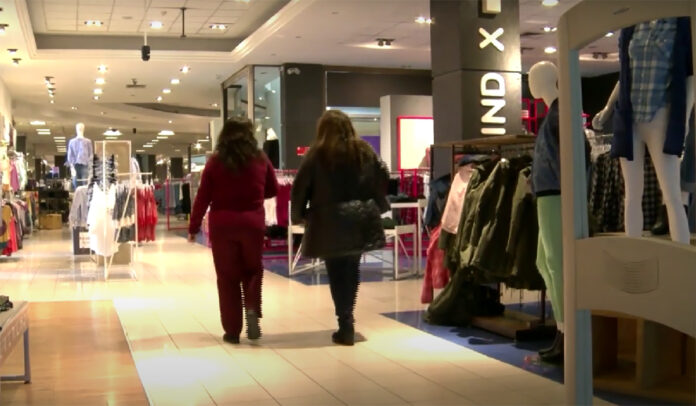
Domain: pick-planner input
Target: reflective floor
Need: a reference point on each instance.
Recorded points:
(167, 305)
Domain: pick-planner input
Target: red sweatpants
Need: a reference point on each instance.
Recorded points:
(237, 257)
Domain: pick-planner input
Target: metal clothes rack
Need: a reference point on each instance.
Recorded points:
(513, 324)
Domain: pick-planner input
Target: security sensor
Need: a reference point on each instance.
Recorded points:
(145, 52)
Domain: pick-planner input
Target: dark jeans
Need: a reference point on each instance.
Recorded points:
(344, 278)
(81, 175)
(237, 257)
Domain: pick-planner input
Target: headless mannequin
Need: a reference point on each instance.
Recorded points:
(653, 136)
(271, 146)
(78, 170)
(543, 79)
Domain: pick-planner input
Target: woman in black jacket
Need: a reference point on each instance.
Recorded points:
(345, 183)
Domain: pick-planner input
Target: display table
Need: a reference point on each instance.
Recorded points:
(14, 325)
(420, 206)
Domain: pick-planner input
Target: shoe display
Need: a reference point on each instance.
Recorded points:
(253, 327)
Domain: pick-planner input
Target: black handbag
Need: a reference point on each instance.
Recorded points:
(367, 215)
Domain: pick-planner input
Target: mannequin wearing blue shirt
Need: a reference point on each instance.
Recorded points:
(653, 100)
(80, 153)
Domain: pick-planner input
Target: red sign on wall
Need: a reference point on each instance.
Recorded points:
(301, 151)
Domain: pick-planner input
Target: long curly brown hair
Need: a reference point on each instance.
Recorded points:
(337, 142)
(236, 145)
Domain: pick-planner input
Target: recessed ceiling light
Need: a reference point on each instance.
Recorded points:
(166, 90)
(220, 27)
(147, 146)
(53, 102)
(549, 3)
(159, 98)
(609, 34)
(214, 105)
(550, 29)
(112, 132)
(37, 122)
(198, 145)
(73, 108)
(111, 138)
(94, 23)
(102, 68)
(185, 69)
(139, 150)
(103, 113)
(96, 97)
(15, 61)
(156, 25)
(12, 51)
(550, 50)
(98, 91)
(424, 20)
(100, 81)
(175, 81)
(162, 137)
(166, 132)
(170, 121)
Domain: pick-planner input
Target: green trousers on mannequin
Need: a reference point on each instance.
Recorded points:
(550, 252)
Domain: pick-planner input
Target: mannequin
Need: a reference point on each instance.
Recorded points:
(546, 185)
(654, 114)
(271, 146)
(80, 153)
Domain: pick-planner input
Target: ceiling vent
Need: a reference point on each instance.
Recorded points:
(135, 85)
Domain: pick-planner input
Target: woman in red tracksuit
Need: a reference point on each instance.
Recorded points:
(235, 182)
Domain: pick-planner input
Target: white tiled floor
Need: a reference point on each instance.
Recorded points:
(171, 321)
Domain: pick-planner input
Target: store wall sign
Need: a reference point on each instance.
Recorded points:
(492, 83)
(491, 6)
(302, 151)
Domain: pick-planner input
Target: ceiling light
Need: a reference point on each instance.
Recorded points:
(15, 61)
(159, 98)
(112, 132)
(609, 34)
(170, 121)
(550, 50)
(147, 146)
(175, 81)
(139, 150)
(103, 113)
(162, 137)
(198, 145)
(96, 97)
(549, 3)
(94, 23)
(214, 105)
(98, 91)
(220, 27)
(156, 25)
(53, 102)
(111, 138)
(37, 122)
(3, 28)
(166, 132)
(185, 69)
(73, 108)
(102, 68)
(58, 138)
(550, 29)
(166, 90)
(12, 51)
(424, 20)
(100, 81)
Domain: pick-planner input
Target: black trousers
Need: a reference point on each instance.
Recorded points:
(344, 278)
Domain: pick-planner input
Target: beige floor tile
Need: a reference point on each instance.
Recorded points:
(367, 398)
(314, 400)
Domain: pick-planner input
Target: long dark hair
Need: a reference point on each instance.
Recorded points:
(337, 142)
(236, 145)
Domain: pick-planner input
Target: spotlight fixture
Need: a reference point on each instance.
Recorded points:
(100, 81)
(609, 34)
(215, 105)
(3, 28)
(550, 29)
(185, 69)
(175, 81)
(37, 122)
(156, 25)
(166, 132)
(112, 132)
(166, 90)
(98, 90)
(170, 121)
(549, 3)
(159, 98)
(15, 61)
(73, 108)
(550, 50)
(12, 51)
(94, 23)
(198, 145)
(220, 27)
(424, 20)
(53, 101)
(102, 68)
(384, 42)
(103, 113)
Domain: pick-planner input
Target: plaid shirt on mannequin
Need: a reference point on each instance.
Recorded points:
(651, 62)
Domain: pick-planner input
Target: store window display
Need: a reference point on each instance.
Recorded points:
(652, 103)
(80, 153)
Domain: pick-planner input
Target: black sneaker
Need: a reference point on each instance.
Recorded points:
(229, 338)
(253, 328)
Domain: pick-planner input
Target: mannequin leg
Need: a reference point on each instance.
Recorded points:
(550, 252)
(633, 175)
(668, 174)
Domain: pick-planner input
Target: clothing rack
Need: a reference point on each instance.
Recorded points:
(512, 324)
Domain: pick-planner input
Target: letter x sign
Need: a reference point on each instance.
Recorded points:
(492, 39)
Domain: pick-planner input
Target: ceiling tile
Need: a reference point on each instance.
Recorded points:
(167, 3)
(204, 4)
(234, 5)
(229, 13)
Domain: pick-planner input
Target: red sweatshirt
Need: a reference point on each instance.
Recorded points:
(235, 198)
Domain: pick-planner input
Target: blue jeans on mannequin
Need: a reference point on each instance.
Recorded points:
(81, 174)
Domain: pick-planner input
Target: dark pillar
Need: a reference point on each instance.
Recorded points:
(38, 169)
(476, 64)
(176, 167)
(60, 163)
(21, 144)
(303, 102)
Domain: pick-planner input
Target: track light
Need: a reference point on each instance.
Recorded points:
(3, 28)
(15, 61)
(384, 42)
